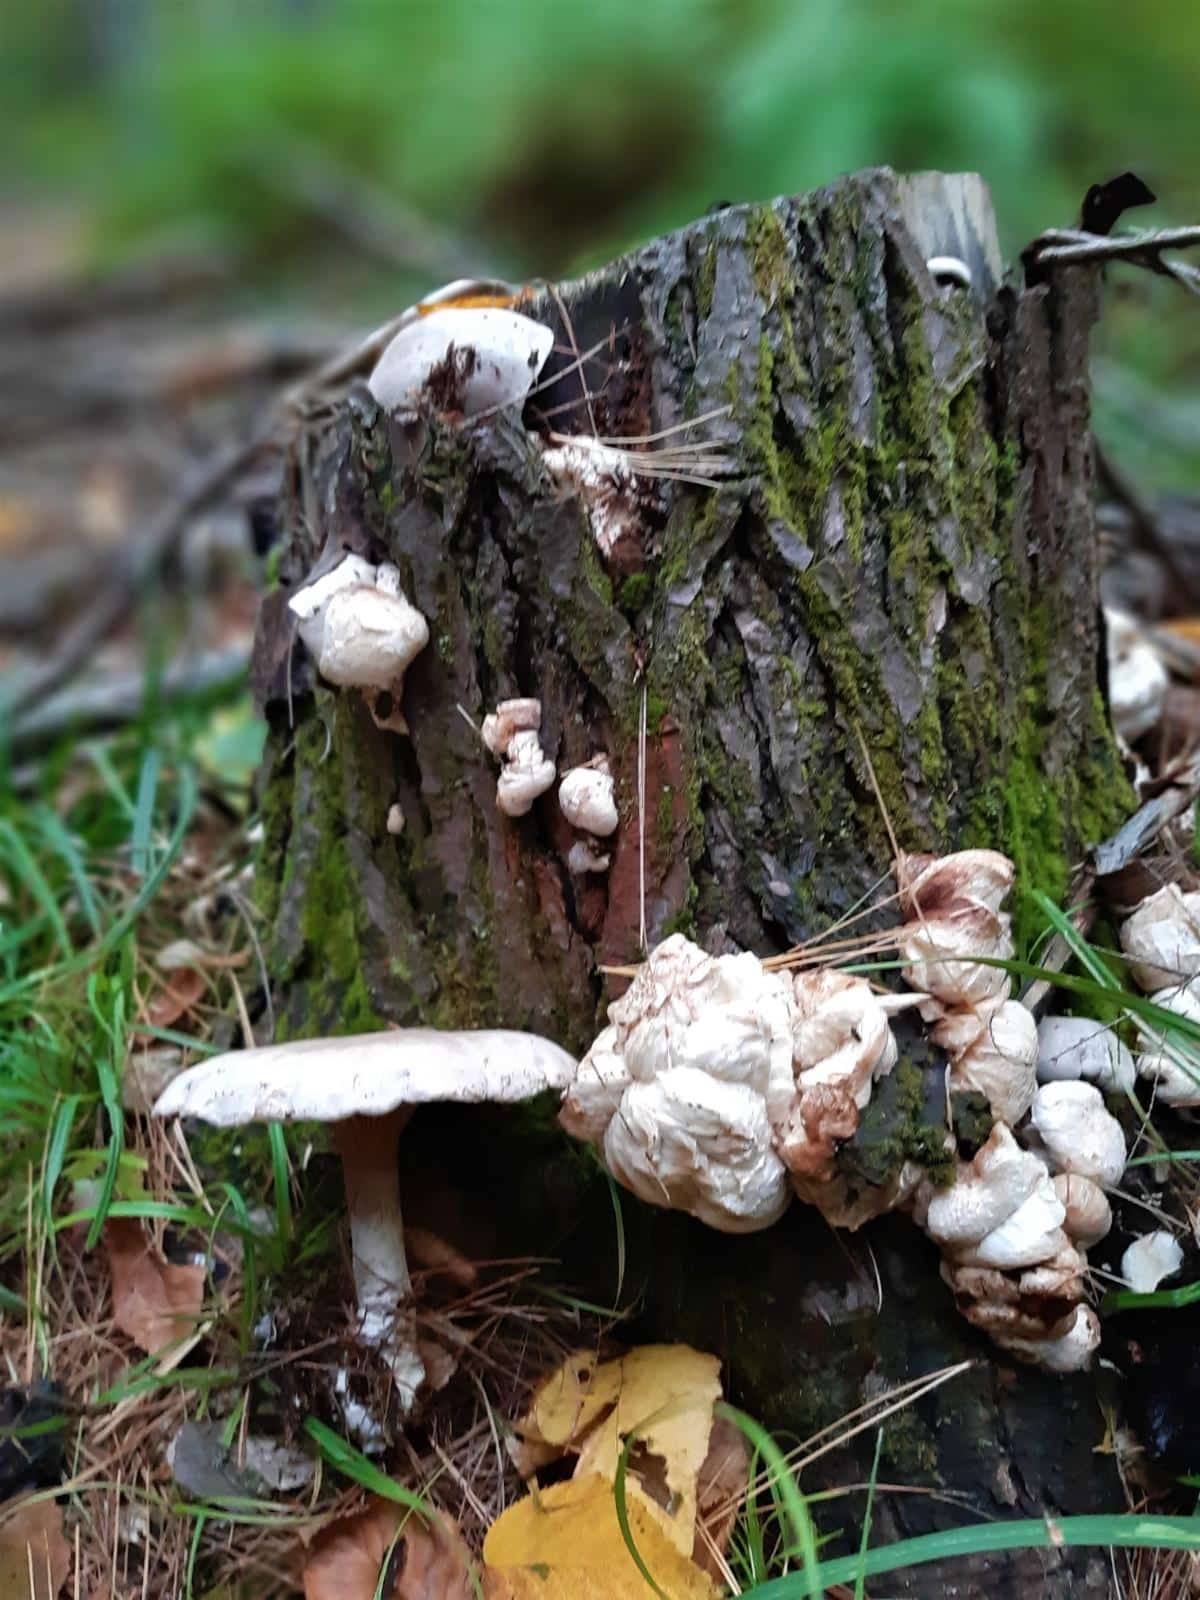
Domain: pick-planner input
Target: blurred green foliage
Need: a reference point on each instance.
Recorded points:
(553, 132)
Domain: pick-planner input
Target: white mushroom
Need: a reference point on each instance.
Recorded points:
(677, 1089)
(484, 356)
(1076, 1133)
(395, 819)
(1150, 1259)
(366, 1088)
(993, 1050)
(1088, 1213)
(581, 858)
(1137, 678)
(601, 477)
(586, 797)
(952, 904)
(361, 629)
(1171, 1064)
(1080, 1047)
(526, 774)
(1162, 938)
(1001, 1210)
(509, 717)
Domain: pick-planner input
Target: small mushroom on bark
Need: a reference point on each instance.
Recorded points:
(1171, 1065)
(464, 359)
(586, 798)
(359, 627)
(511, 732)
(366, 1088)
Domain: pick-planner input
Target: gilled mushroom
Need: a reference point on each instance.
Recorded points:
(1161, 937)
(359, 627)
(366, 1088)
(1081, 1047)
(467, 359)
(1075, 1132)
(1150, 1259)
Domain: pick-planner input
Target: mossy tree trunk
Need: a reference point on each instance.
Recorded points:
(903, 560)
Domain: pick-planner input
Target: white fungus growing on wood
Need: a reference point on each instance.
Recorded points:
(586, 797)
(1081, 1047)
(1076, 1133)
(466, 359)
(599, 475)
(1171, 1064)
(1150, 1259)
(358, 625)
(511, 732)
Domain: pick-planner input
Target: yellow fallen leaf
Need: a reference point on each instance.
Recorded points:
(662, 1395)
(566, 1544)
(35, 1560)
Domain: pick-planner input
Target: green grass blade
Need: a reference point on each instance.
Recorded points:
(622, 1504)
(26, 870)
(56, 1150)
(1127, 1532)
(282, 1176)
(784, 1487)
(67, 849)
(141, 837)
(344, 1458)
(860, 1581)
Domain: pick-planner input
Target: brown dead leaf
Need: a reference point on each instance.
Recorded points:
(661, 1395)
(719, 1484)
(430, 1562)
(154, 1302)
(182, 990)
(567, 1543)
(35, 1559)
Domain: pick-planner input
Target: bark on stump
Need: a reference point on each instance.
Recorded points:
(906, 552)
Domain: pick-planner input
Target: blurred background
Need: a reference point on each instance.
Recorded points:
(199, 198)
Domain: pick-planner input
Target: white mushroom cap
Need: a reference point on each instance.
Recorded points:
(497, 355)
(582, 858)
(690, 1142)
(1162, 938)
(1080, 1047)
(1068, 1349)
(1032, 1234)
(1150, 1259)
(509, 717)
(986, 1192)
(527, 773)
(370, 1074)
(586, 796)
(369, 638)
(1089, 1215)
(309, 603)
(592, 1099)
(954, 882)
(1077, 1133)
(993, 1050)
(1173, 1067)
(1137, 678)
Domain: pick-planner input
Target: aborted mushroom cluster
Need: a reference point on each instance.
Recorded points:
(723, 1087)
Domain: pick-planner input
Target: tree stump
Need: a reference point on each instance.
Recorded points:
(902, 562)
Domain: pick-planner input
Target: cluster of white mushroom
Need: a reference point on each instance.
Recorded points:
(587, 798)
(359, 627)
(526, 772)
(954, 910)
(720, 1085)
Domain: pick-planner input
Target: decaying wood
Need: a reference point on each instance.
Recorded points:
(903, 557)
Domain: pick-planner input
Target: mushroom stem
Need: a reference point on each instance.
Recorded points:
(387, 1318)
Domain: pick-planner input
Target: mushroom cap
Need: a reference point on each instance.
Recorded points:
(841, 1034)
(1162, 938)
(1089, 1215)
(1150, 1259)
(938, 949)
(309, 603)
(1080, 1047)
(528, 772)
(586, 797)
(1176, 1082)
(1077, 1133)
(999, 1063)
(369, 638)
(497, 354)
(367, 1075)
(986, 1192)
(510, 716)
(935, 885)
(1137, 678)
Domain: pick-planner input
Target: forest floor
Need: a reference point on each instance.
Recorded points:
(174, 1311)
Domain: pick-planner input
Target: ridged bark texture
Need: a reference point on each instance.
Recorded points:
(903, 562)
